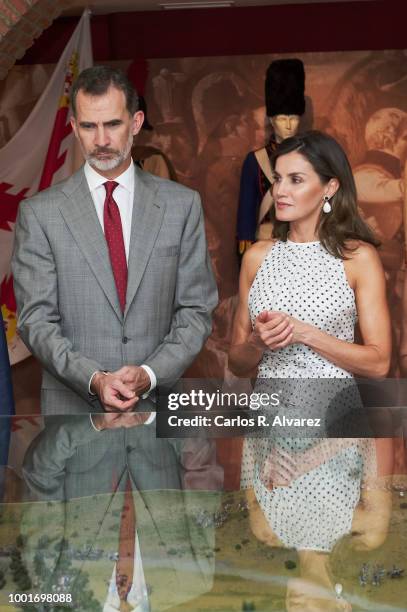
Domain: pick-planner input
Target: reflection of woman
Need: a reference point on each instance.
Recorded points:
(300, 296)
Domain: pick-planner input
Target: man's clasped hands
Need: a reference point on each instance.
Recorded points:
(119, 392)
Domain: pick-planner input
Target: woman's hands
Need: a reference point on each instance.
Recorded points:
(275, 330)
(282, 467)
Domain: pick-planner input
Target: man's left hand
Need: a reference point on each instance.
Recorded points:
(135, 378)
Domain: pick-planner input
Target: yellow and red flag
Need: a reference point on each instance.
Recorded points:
(41, 153)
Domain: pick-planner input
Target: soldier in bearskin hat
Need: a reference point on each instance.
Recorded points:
(285, 104)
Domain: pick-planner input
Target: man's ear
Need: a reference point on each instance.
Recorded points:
(74, 126)
(138, 120)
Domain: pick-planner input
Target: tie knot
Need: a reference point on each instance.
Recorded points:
(110, 186)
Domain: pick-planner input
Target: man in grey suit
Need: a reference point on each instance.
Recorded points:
(115, 292)
(111, 315)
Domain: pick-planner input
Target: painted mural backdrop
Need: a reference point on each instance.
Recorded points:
(208, 113)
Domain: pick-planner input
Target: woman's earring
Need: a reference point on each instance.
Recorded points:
(327, 205)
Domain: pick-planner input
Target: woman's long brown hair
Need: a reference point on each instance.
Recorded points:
(343, 223)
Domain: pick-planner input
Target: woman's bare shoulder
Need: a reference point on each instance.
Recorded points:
(252, 260)
(362, 263)
(361, 252)
(259, 250)
(255, 255)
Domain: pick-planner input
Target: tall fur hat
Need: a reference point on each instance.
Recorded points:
(284, 86)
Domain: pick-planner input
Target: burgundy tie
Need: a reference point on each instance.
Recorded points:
(115, 242)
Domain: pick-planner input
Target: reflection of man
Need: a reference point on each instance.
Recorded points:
(110, 266)
(85, 473)
(380, 190)
(285, 103)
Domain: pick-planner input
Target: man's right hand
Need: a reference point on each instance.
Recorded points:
(114, 395)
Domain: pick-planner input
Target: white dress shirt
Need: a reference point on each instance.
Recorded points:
(123, 196)
(138, 595)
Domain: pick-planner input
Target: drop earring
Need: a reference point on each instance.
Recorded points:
(327, 205)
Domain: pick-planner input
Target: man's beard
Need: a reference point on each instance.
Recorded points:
(117, 158)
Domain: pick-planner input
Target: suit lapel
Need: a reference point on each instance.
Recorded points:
(81, 218)
(146, 222)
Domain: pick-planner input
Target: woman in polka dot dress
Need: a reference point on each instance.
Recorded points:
(300, 297)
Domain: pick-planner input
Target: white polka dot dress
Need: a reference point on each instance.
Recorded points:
(316, 509)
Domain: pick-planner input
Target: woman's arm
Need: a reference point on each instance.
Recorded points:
(372, 359)
(249, 343)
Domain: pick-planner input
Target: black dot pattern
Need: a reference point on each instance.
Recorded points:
(316, 508)
(306, 282)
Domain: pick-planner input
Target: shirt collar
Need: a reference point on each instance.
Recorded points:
(95, 180)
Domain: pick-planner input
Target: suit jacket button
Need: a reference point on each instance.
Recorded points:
(125, 339)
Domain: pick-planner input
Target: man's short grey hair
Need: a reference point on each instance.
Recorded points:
(95, 81)
(384, 127)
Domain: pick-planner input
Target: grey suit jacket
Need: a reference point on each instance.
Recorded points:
(69, 312)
